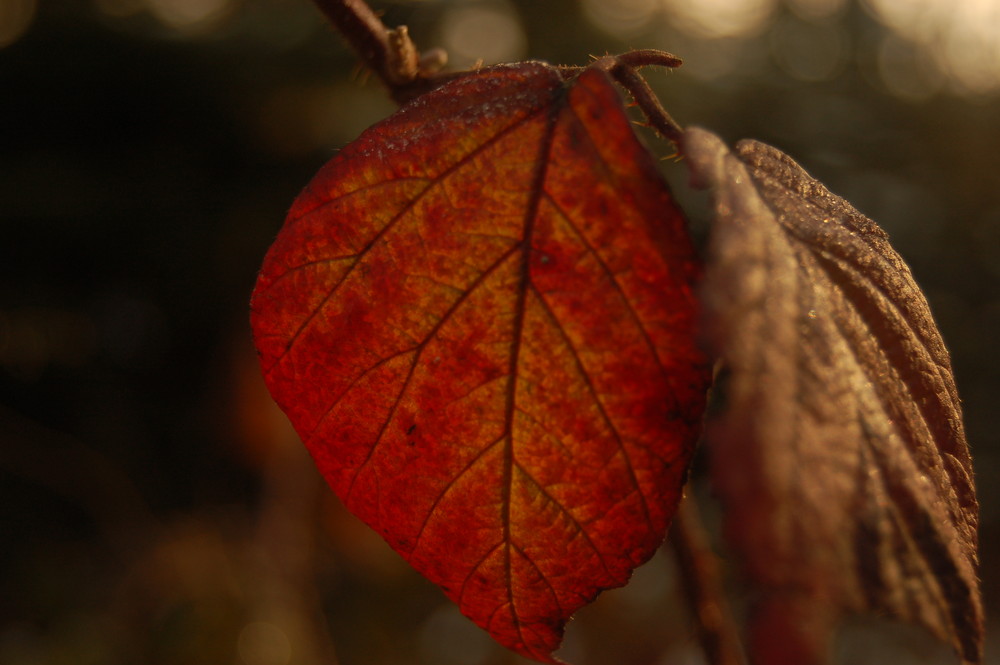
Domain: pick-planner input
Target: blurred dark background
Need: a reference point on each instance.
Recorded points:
(154, 505)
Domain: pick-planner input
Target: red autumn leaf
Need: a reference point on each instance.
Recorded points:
(479, 318)
(839, 451)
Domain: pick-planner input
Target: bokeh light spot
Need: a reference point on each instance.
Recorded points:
(906, 70)
(972, 48)
(962, 39)
(622, 18)
(813, 10)
(191, 16)
(15, 19)
(262, 643)
(808, 51)
(489, 33)
(712, 59)
(917, 20)
(720, 18)
(119, 8)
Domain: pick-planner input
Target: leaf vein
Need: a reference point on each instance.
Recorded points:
(391, 223)
(448, 486)
(565, 511)
(597, 402)
(416, 359)
(616, 285)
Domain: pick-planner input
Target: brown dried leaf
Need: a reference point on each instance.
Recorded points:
(840, 453)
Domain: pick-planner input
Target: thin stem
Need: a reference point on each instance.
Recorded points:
(702, 584)
(648, 57)
(390, 53)
(644, 96)
(359, 25)
(624, 68)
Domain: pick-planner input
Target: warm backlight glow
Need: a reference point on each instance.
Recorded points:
(720, 18)
(927, 46)
(15, 19)
(960, 39)
(190, 14)
(621, 17)
(489, 35)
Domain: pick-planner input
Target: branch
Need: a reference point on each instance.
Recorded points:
(361, 28)
(390, 53)
(702, 584)
(394, 58)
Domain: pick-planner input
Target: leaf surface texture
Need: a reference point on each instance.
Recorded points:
(839, 451)
(479, 317)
